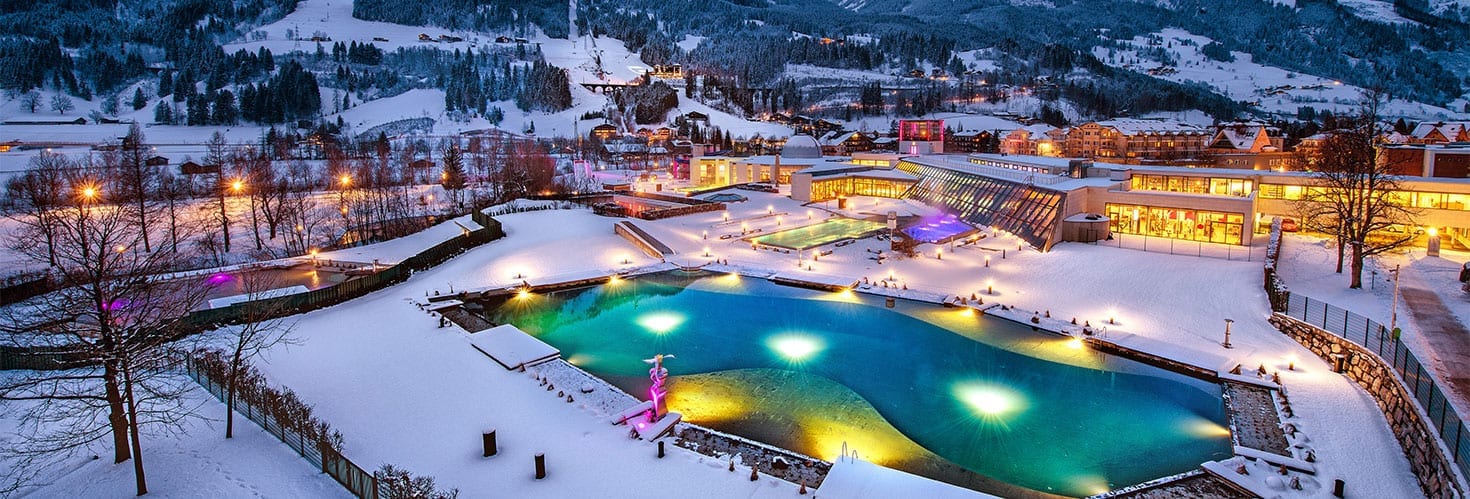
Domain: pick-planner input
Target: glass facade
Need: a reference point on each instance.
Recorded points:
(1430, 200)
(1193, 185)
(1027, 211)
(1176, 223)
(825, 189)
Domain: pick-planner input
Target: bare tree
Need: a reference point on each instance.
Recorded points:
(114, 318)
(172, 190)
(137, 177)
(300, 209)
(1354, 196)
(216, 156)
(30, 100)
(263, 325)
(61, 104)
(34, 198)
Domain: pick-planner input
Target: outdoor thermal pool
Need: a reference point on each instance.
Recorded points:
(919, 387)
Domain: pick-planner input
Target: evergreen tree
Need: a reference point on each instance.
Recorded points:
(453, 178)
(163, 113)
(140, 101)
(225, 112)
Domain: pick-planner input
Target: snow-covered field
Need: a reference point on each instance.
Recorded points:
(1244, 80)
(197, 462)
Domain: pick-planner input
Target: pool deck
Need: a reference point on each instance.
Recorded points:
(1255, 421)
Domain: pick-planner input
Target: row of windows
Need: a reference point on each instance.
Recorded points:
(1020, 209)
(1176, 223)
(1431, 200)
(1193, 185)
(823, 190)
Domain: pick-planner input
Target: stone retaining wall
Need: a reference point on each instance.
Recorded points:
(1427, 456)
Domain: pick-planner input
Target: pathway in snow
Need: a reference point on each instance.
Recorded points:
(1447, 338)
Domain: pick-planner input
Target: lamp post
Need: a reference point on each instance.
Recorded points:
(1228, 322)
(1393, 316)
(88, 194)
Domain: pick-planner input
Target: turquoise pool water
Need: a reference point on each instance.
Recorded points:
(818, 234)
(931, 390)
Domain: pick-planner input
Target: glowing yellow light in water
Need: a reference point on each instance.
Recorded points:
(1075, 343)
(1204, 428)
(795, 347)
(987, 400)
(1093, 484)
(660, 322)
(523, 294)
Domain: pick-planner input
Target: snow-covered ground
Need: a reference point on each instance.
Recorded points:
(1244, 80)
(432, 393)
(197, 462)
(1307, 265)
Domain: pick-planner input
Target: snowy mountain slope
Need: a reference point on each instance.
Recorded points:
(1276, 90)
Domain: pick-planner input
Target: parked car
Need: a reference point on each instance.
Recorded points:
(1289, 225)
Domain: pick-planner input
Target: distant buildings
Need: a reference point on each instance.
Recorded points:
(1129, 139)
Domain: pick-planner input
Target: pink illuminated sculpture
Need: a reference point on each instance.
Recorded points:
(656, 392)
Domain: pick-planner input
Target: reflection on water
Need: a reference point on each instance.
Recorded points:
(923, 388)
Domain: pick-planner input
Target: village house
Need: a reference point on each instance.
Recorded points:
(1440, 132)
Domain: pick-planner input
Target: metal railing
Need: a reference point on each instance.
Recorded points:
(1377, 338)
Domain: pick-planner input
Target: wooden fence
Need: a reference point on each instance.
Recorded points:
(352, 477)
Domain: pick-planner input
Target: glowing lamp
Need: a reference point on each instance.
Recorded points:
(795, 347)
(237, 185)
(660, 323)
(89, 192)
(1433, 232)
(988, 401)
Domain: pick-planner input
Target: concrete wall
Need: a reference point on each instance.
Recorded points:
(1428, 457)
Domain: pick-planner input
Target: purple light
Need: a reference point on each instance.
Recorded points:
(218, 279)
(938, 228)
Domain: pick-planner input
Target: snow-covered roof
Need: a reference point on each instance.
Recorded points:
(1026, 160)
(835, 138)
(1449, 129)
(1131, 126)
(1239, 138)
(1032, 131)
(855, 478)
(840, 170)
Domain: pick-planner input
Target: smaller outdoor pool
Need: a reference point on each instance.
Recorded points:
(815, 235)
(939, 229)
